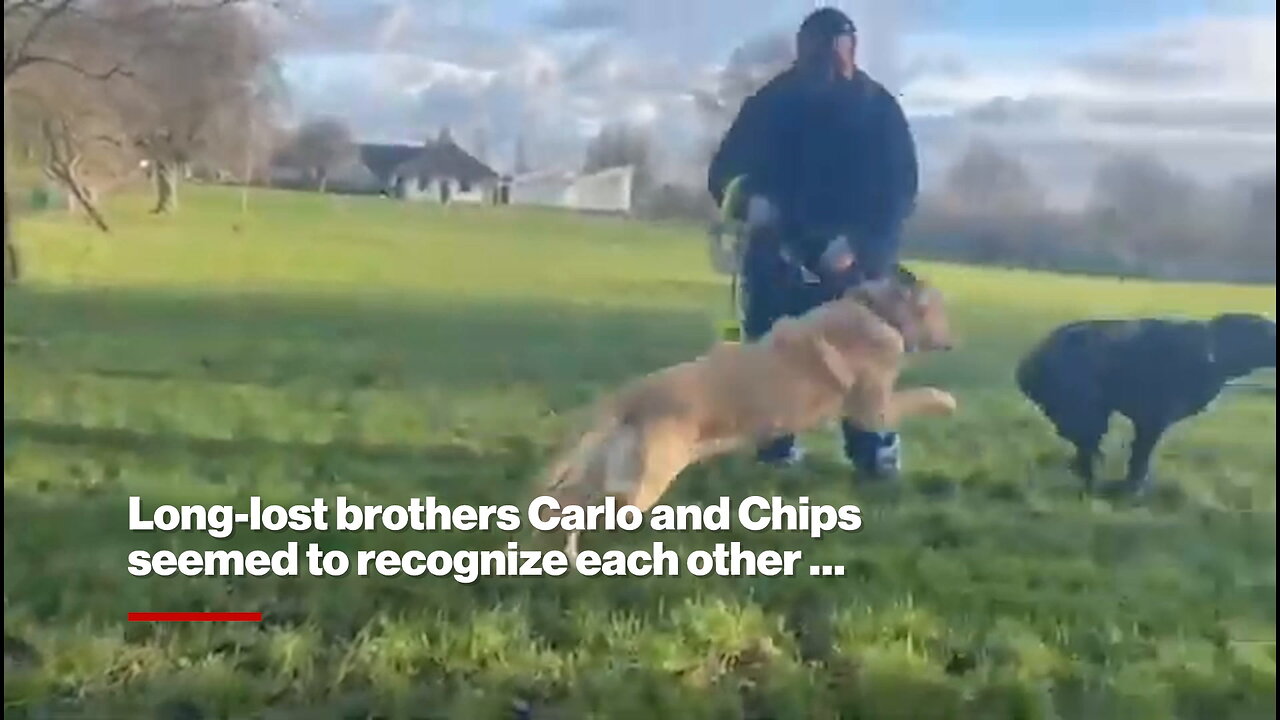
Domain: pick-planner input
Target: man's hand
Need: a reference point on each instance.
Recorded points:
(837, 258)
(760, 211)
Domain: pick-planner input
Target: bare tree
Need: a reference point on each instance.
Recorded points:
(34, 35)
(11, 267)
(241, 137)
(102, 80)
(58, 58)
(190, 70)
(64, 115)
(1137, 187)
(1252, 212)
(987, 181)
(65, 165)
(321, 147)
(1147, 211)
(33, 29)
(620, 145)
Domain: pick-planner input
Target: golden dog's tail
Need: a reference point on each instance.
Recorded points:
(602, 459)
(570, 466)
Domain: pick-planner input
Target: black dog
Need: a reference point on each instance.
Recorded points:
(1154, 372)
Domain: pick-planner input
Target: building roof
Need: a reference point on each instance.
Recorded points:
(382, 159)
(439, 158)
(444, 158)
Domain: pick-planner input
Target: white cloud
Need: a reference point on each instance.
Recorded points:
(1201, 93)
(1198, 94)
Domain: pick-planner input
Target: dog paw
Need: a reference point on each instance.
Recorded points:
(944, 401)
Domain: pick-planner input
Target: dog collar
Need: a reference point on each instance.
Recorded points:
(865, 302)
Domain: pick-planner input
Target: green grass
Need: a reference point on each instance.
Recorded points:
(333, 346)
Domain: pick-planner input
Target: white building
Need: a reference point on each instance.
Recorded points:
(545, 188)
(437, 171)
(606, 191)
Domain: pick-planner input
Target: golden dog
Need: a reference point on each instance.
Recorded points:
(841, 359)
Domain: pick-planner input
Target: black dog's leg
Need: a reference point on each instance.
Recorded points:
(1085, 430)
(1084, 463)
(1146, 435)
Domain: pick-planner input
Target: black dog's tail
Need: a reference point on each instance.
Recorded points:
(1030, 375)
(1063, 370)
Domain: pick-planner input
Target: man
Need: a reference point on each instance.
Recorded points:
(825, 155)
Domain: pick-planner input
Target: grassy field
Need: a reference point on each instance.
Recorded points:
(334, 346)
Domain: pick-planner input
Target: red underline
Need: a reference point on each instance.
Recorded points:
(195, 617)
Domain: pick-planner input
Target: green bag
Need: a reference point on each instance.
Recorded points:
(41, 198)
(733, 208)
(726, 250)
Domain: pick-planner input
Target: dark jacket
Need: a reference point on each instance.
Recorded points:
(833, 155)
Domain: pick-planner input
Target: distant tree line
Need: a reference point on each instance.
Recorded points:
(320, 148)
(1141, 219)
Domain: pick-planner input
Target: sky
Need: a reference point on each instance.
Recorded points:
(1063, 84)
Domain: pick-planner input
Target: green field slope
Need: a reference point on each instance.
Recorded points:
(321, 346)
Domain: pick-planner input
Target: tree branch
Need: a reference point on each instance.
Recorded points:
(28, 60)
(21, 56)
(15, 7)
(171, 7)
(63, 166)
(13, 60)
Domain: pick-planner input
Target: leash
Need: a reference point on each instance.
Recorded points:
(732, 331)
(731, 211)
(1251, 386)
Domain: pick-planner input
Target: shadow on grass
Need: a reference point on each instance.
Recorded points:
(127, 440)
(345, 341)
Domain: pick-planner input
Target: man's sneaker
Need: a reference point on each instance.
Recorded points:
(792, 456)
(889, 456)
(882, 458)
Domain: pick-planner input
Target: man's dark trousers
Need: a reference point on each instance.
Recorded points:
(774, 288)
